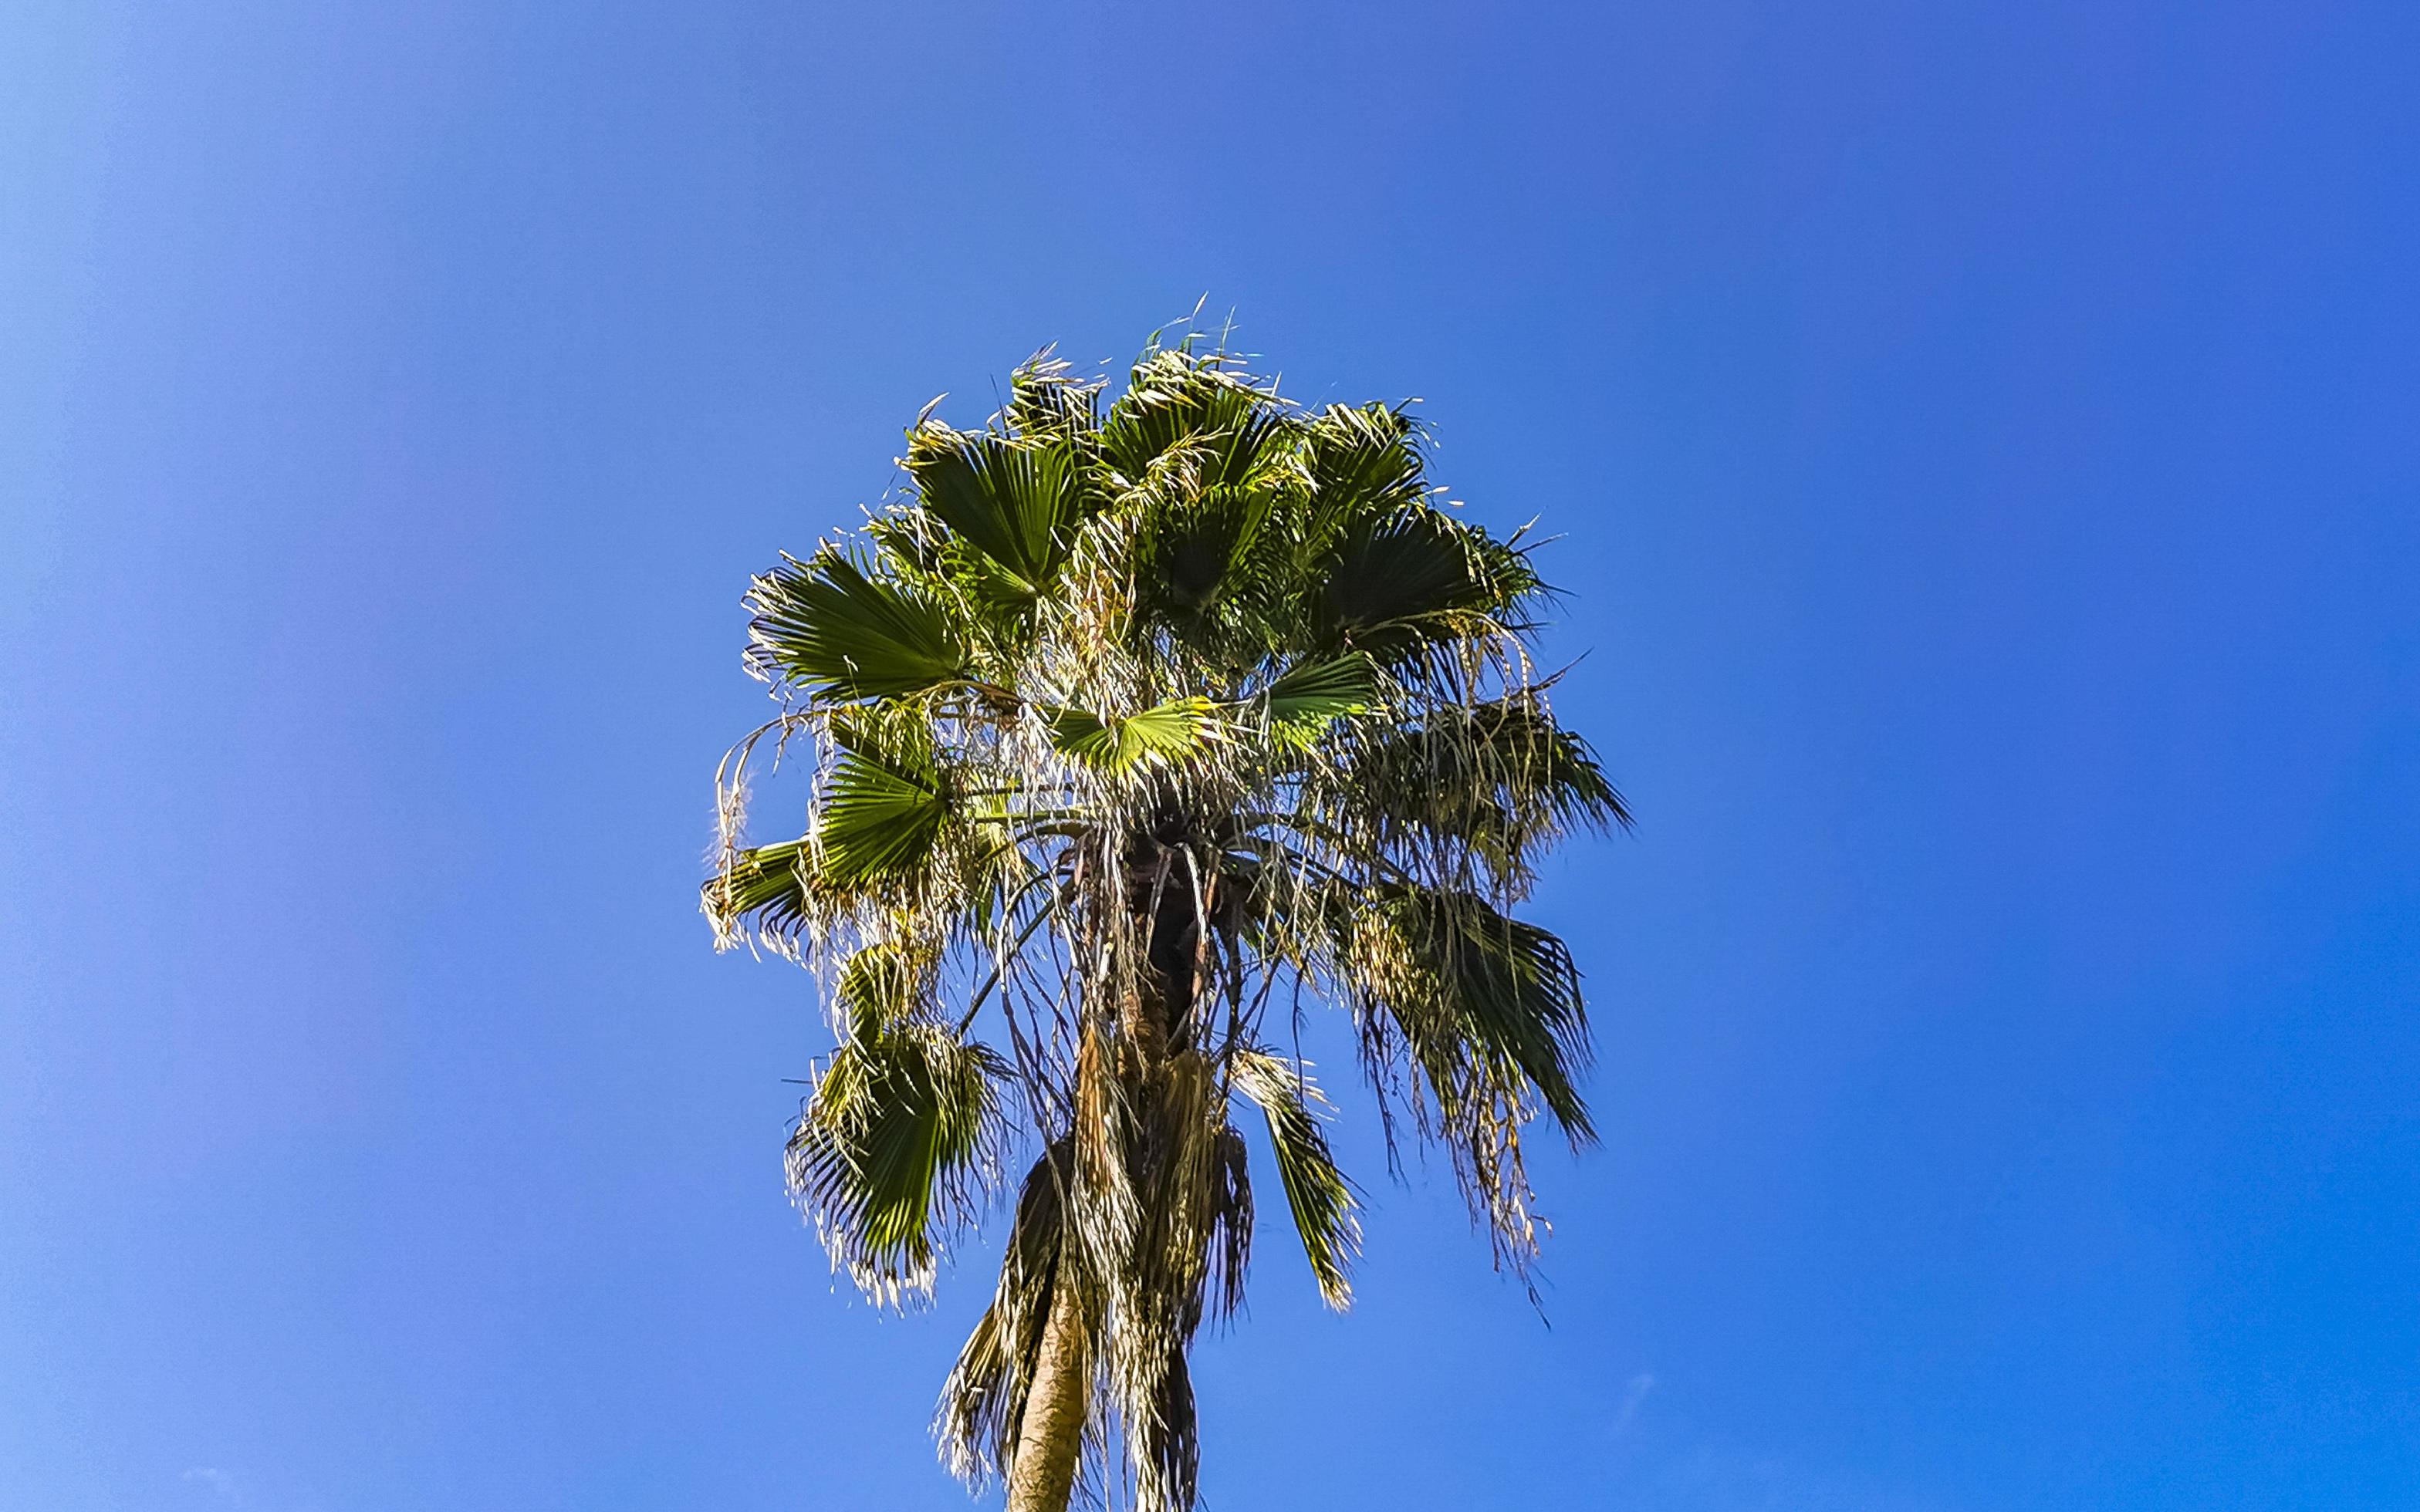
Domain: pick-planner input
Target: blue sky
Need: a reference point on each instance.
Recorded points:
(1983, 444)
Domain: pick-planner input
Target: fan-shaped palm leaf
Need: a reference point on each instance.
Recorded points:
(1015, 500)
(895, 1140)
(1167, 733)
(824, 626)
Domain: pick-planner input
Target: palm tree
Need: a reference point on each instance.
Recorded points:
(1139, 725)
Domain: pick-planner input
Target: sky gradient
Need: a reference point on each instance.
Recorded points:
(1984, 449)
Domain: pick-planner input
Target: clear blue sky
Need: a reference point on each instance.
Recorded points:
(1986, 445)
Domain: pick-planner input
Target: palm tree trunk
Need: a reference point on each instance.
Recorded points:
(1050, 1439)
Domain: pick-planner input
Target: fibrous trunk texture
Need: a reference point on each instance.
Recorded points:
(1051, 1440)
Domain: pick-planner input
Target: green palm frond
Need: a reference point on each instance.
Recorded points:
(766, 885)
(1207, 562)
(1363, 457)
(1303, 702)
(896, 1145)
(1397, 580)
(1046, 399)
(1500, 776)
(882, 987)
(1018, 502)
(1157, 736)
(1541, 771)
(1321, 1197)
(881, 813)
(827, 626)
(1179, 403)
(1489, 1006)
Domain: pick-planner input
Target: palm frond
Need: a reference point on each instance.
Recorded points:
(1321, 1197)
(1168, 1452)
(1155, 736)
(1176, 400)
(1204, 558)
(1230, 1222)
(1398, 579)
(1499, 775)
(1015, 500)
(894, 1148)
(767, 885)
(881, 809)
(1363, 460)
(1046, 399)
(1486, 1010)
(1490, 1006)
(828, 627)
(1308, 698)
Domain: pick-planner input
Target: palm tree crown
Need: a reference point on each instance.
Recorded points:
(1138, 725)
